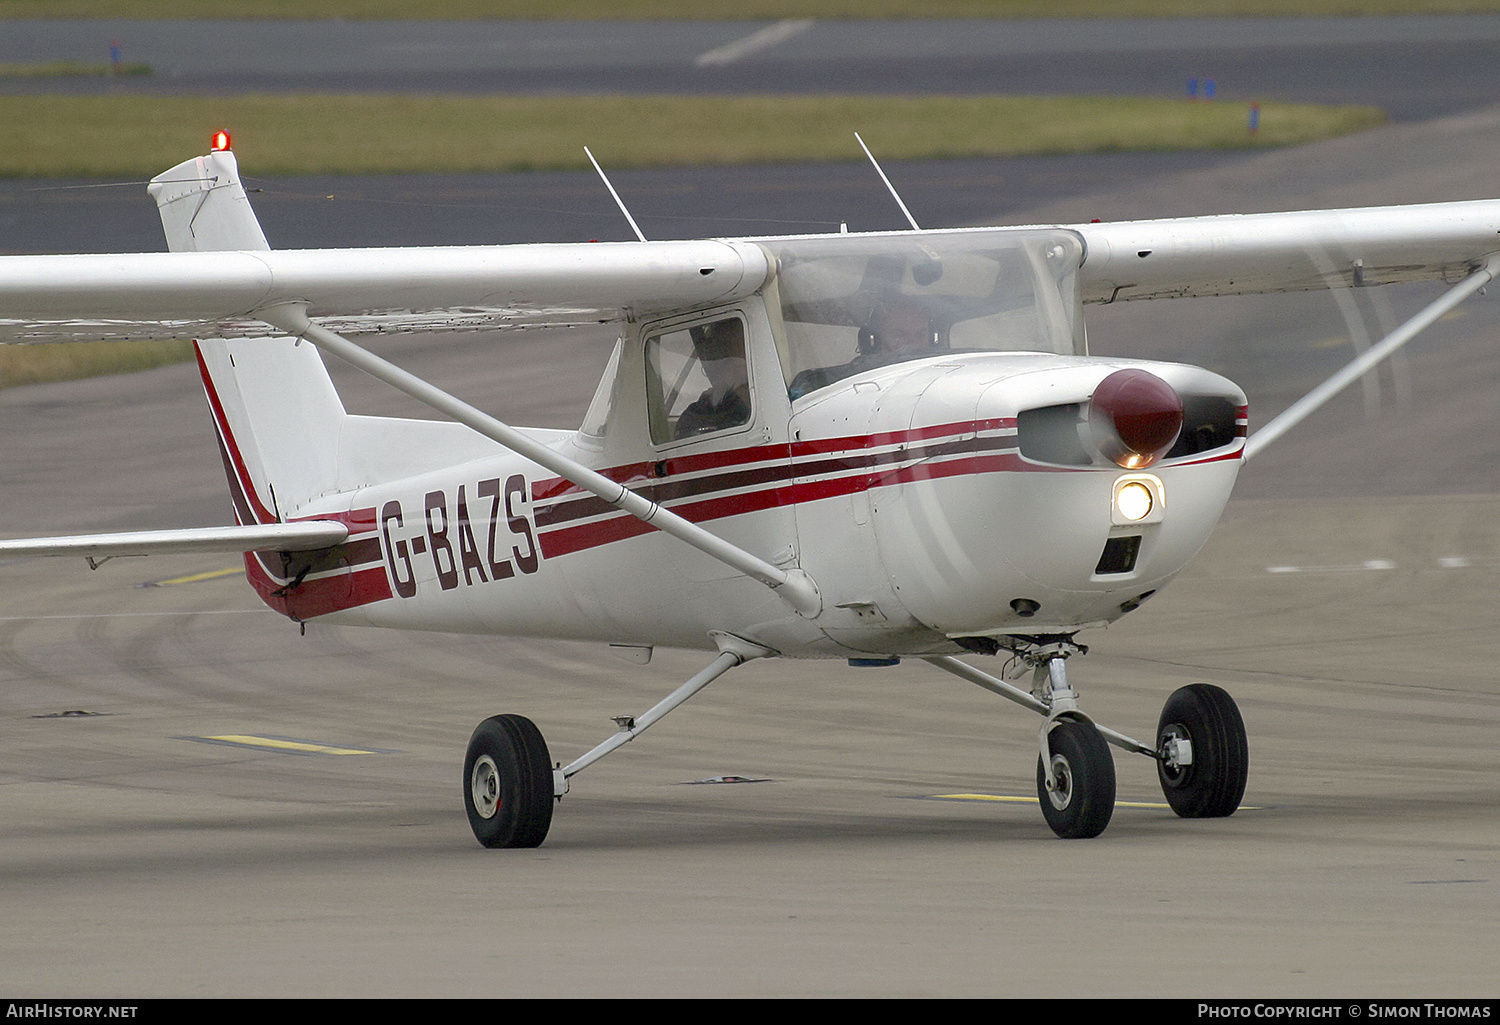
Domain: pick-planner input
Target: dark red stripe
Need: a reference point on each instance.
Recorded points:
(1235, 453)
(630, 473)
(319, 597)
(849, 460)
(851, 442)
(567, 540)
(363, 552)
(242, 511)
(555, 487)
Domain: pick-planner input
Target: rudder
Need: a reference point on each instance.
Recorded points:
(276, 412)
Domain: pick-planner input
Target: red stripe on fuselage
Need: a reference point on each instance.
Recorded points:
(676, 466)
(318, 597)
(566, 540)
(848, 465)
(854, 458)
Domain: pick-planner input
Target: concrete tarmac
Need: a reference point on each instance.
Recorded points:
(1347, 600)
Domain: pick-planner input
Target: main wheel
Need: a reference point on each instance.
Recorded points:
(508, 783)
(1084, 799)
(1212, 785)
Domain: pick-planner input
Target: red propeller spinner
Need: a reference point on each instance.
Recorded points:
(1134, 417)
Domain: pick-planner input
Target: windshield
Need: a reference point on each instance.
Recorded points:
(852, 303)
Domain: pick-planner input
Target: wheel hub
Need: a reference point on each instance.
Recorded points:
(484, 785)
(1175, 750)
(1061, 792)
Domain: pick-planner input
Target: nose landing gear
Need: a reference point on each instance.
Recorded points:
(1201, 752)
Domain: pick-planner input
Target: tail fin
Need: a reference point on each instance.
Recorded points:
(277, 414)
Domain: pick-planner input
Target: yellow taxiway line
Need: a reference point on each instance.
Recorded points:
(277, 744)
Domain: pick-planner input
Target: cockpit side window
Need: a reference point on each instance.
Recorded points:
(698, 380)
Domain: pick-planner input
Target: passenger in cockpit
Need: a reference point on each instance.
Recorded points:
(720, 350)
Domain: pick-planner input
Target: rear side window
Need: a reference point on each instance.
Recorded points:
(698, 380)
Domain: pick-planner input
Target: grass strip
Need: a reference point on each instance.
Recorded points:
(725, 10)
(280, 134)
(68, 361)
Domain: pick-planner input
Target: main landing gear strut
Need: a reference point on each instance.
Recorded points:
(1201, 754)
(510, 783)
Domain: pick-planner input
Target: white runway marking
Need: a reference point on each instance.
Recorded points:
(1368, 564)
(753, 43)
(1443, 562)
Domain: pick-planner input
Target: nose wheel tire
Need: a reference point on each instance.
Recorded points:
(508, 783)
(1083, 797)
(1212, 785)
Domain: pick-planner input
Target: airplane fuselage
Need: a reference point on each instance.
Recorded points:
(929, 501)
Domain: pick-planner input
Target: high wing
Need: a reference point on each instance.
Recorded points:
(220, 294)
(1242, 254)
(224, 292)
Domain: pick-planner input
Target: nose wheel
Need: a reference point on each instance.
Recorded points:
(1201, 754)
(1080, 799)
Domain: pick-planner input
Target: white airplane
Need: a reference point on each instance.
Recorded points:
(843, 446)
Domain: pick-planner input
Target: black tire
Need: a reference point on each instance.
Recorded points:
(1212, 786)
(1085, 799)
(508, 783)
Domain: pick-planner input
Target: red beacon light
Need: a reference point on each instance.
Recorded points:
(221, 142)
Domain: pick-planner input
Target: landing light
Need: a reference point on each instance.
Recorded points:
(1138, 498)
(1134, 501)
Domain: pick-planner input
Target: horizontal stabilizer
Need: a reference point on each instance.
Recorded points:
(307, 535)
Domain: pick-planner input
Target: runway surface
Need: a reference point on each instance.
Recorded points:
(1347, 600)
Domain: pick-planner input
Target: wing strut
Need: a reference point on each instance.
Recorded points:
(794, 586)
(1299, 410)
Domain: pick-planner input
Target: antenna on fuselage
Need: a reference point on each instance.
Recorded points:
(894, 194)
(618, 202)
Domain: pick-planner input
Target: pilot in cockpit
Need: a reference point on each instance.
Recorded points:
(898, 329)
